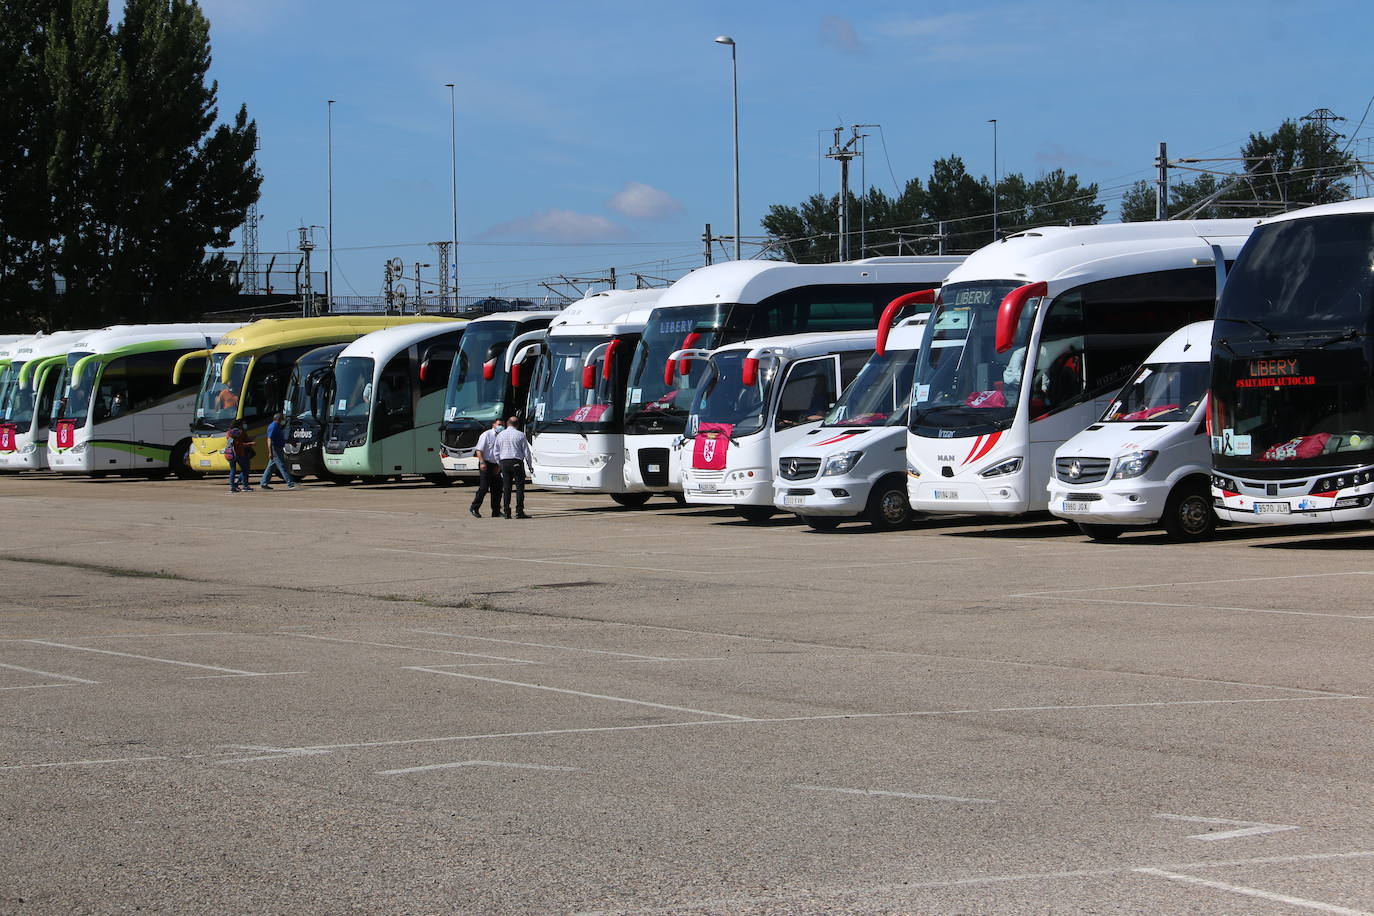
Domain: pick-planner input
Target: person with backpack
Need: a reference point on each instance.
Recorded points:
(276, 458)
(239, 451)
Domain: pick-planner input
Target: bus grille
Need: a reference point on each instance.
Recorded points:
(653, 466)
(798, 468)
(1081, 470)
(460, 438)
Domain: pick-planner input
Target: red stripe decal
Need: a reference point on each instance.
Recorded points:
(976, 442)
(831, 441)
(987, 446)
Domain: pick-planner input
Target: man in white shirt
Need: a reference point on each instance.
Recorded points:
(488, 470)
(513, 450)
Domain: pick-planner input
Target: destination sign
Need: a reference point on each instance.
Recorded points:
(972, 297)
(1274, 372)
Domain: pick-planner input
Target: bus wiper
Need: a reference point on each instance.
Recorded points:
(1350, 334)
(1268, 334)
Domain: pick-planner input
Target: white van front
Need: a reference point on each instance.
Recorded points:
(1147, 461)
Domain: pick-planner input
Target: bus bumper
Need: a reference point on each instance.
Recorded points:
(997, 497)
(1142, 504)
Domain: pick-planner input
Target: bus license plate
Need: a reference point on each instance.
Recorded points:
(559, 478)
(793, 500)
(1273, 509)
(946, 494)
(296, 468)
(1076, 505)
(708, 488)
(205, 462)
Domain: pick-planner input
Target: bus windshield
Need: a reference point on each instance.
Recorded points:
(73, 401)
(650, 403)
(353, 384)
(17, 407)
(880, 394)
(309, 373)
(557, 399)
(1297, 409)
(471, 395)
(1302, 275)
(724, 398)
(961, 381)
(217, 404)
(1162, 392)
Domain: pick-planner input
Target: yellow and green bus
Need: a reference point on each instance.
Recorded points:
(246, 376)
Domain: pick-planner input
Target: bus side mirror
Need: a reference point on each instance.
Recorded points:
(589, 376)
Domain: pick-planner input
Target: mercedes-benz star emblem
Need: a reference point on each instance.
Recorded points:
(1075, 470)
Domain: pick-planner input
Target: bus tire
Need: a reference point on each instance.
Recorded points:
(338, 480)
(1101, 532)
(630, 500)
(756, 514)
(889, 507)
(822, 522)
(1188, 514)
(440, 480)
(680, 498)
(180, 462)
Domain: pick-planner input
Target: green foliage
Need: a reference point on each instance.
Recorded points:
(808, 233)
(114, 177)
(1296, 166)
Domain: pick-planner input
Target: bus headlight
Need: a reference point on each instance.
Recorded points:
(599, 461)
(1010, 466)
(911, 471)
(1133, 464)
(78, 449)
(1327, 484)
(1224, 483)
(842, 463)
(29, 449)
(354, 443)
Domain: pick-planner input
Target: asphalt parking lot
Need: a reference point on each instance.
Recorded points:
(360, 699)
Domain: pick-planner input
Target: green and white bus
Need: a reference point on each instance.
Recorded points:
(116, 408)
(27, 385)
(388, 400)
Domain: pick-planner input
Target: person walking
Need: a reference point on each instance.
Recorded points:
(513, 450)
(488, 470)
(239, 451)
(276, 458)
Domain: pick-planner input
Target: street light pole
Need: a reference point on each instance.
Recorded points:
(329, 274)
(734, 83)
(453, 158)
(993, 122)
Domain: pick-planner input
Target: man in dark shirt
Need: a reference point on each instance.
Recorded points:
(276, 459)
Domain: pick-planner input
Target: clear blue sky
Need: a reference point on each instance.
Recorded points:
(597, 134)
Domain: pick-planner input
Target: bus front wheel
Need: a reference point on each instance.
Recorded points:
(1188, 514)
(440, 480)
(889, 507)
(822, 522)
(180, 462)
(756, 514)
(630, 500)
(1101, 532)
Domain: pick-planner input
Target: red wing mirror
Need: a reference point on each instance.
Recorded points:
(1009, 312)
(489, 369)
(685, 366)
(750, 375)
(920, 297)
(668, 368)
(607, 364)
(589, 376)
(515, 375)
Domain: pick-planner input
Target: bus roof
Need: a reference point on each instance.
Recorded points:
(148, 338)
(42, 345)
(386, 343)
(813, 343)
(613, 311)
(1358, 205)
(1084, 253)
(754, 281)
(274, 333)
(517, 317)
(1191, 343)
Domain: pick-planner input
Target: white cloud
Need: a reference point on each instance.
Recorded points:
(839, 34)
(641, 201)
(926, 27)
(558, 226)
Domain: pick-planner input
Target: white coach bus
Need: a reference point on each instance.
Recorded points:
(116, 408)
(576, 410)
(28, 384)
(1032, 336)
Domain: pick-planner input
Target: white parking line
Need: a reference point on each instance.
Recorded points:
(1198, 607)
(881, 792)
(544, 645)
(1162, 585)
(1253, 892)
(60, 677)
(388, 645)
(146, 658)
(36, 686)
(478, 556)
(475, 763)
(1247, 828)
(579, 693)
(79, 763)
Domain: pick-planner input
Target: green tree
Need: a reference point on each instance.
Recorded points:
(114, 178)
(1296, 166)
